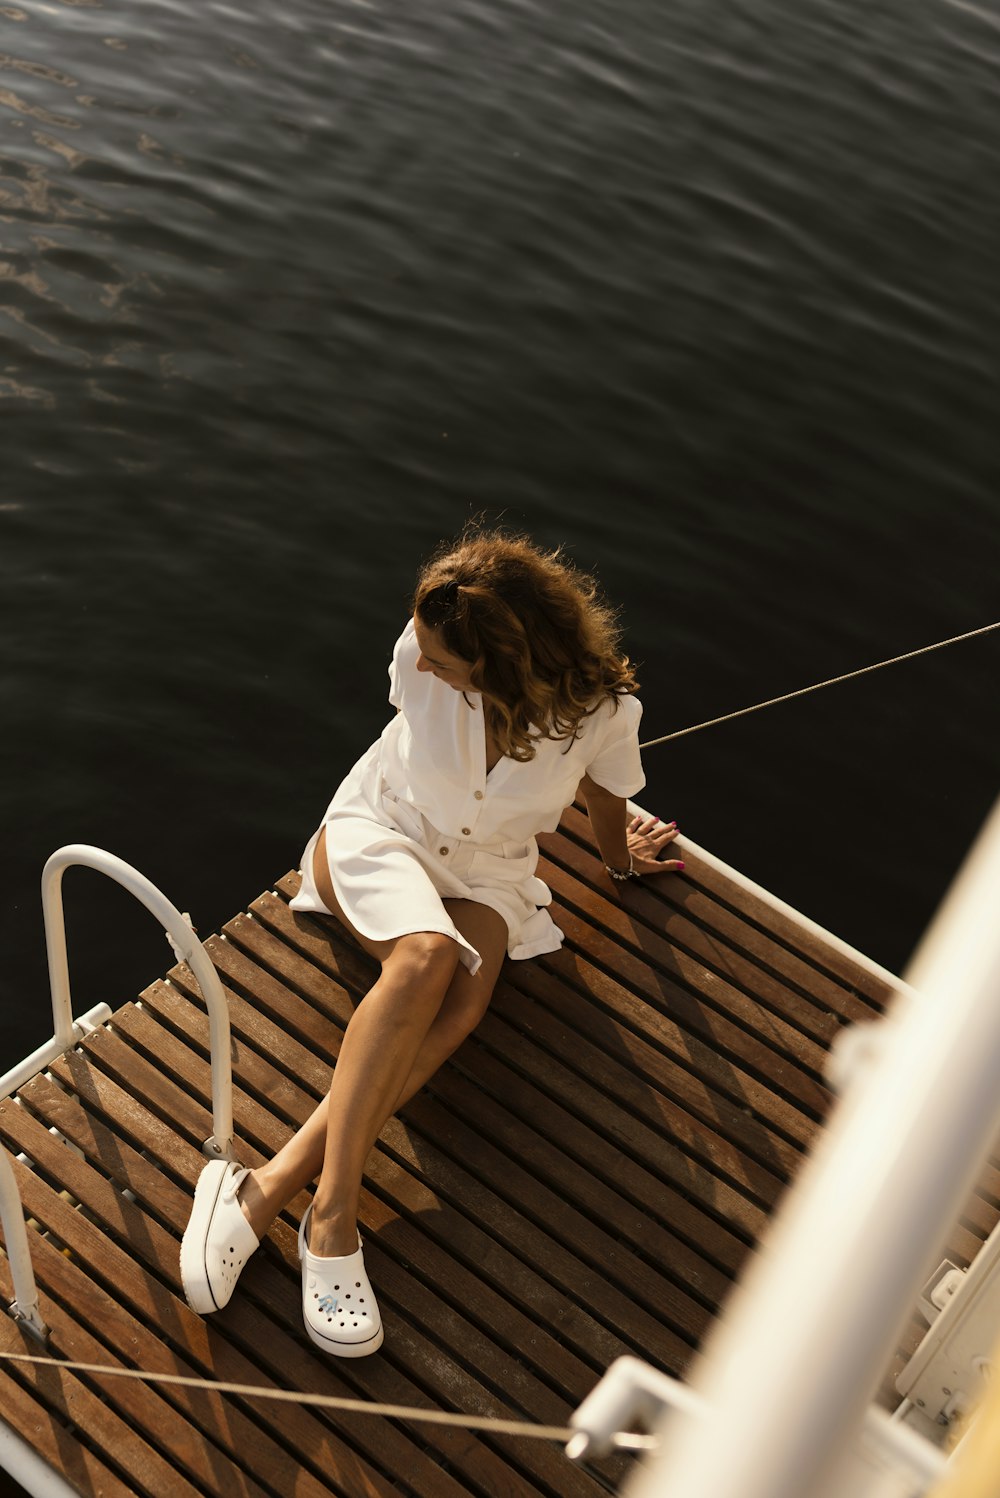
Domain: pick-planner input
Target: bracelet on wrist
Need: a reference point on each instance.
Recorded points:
(620, 876)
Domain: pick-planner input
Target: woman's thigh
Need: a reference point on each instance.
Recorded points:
(486, 929)
(381, 950)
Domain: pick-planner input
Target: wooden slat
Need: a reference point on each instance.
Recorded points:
(729, 1097)
(624, 1145)
(135, 1456)
(323, 945)
(618, 1068)
(585, 1172)
(700, 1021)
(778, 980)
(630, 1079)
(853, 979)
(497, 1127)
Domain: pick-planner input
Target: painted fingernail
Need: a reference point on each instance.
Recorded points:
(679, 867)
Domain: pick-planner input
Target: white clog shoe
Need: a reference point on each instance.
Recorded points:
(218, 1239)
(340, 1312)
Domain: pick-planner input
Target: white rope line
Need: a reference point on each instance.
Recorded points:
(802, 691)
(488, 1423)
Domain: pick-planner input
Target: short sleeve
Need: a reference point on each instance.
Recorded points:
(617, 764)
(400, 654)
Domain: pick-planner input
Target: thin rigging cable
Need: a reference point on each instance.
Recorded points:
(489, 1423)
(832, 682)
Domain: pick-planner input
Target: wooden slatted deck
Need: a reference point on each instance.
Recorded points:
(584, 1179)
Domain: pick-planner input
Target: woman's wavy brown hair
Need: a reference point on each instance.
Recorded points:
(541, 642)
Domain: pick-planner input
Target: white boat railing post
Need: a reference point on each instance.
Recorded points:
(186, 945)
(795, 1359)
(24, 1307)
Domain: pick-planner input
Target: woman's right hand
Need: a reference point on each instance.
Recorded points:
(647, 837)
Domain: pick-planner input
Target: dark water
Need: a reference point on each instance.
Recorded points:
(707, 292)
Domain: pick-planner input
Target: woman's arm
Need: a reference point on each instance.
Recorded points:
(620, 838)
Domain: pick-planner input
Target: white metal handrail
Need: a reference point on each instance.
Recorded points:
(182, 937)
(67, 1032)
(186, 945)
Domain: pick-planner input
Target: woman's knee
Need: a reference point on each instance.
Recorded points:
(425, 957)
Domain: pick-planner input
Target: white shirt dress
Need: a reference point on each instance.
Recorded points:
(418, 820)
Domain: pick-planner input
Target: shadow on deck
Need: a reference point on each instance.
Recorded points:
(584, 1179)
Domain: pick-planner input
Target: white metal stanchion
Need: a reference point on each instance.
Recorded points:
(24, 1307)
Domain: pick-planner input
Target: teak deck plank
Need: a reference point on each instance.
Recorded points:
(584, 1178)
(854, 990)
(698, 929)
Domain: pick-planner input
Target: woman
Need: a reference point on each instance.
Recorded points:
(511, 695)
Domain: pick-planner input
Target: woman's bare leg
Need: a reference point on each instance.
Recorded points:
(390, 1048)
(468, 996)
(376, 1056)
